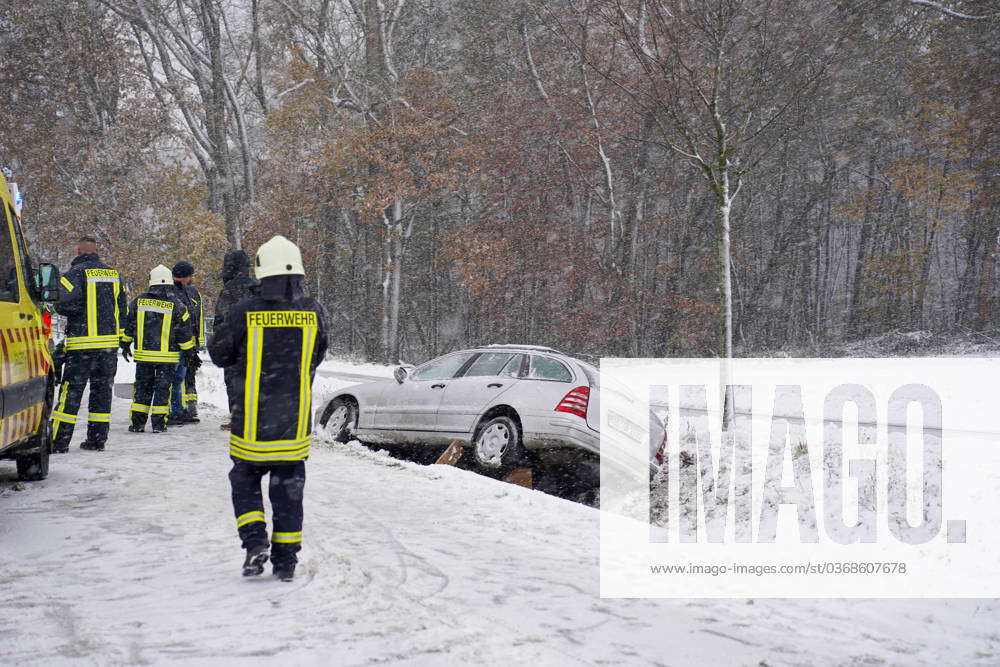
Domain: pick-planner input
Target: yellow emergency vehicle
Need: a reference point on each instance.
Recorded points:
(27, 377)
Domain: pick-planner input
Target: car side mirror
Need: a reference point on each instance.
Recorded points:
(48, 282)
(400, 374)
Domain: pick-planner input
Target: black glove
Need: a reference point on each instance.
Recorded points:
(126, 350)
(191, 359)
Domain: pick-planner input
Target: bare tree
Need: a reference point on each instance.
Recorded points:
(186, 46)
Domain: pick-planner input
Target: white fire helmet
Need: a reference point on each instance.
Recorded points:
(160, 276)
(278, 257)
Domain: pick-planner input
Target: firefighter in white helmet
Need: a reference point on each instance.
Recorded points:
(275, 340)
(160, 326)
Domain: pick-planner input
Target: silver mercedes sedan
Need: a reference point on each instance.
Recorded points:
(504, 403)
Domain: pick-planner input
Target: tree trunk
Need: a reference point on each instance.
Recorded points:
(990, 250)
(217, 125)
(854, 311)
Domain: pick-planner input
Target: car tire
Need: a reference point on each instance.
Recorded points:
(340, 419)
(496, 447)
(35, 467)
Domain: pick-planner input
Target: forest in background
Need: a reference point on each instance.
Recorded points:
(571, 173)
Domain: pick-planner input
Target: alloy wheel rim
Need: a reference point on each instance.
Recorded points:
(492, 444)
(338, 419)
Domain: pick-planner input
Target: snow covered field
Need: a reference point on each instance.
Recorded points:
(130, 557)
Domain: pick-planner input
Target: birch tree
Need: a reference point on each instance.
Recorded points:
(723, 79)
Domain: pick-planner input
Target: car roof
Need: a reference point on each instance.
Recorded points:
(515, 346)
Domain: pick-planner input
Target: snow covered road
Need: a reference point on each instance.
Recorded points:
(130, 557)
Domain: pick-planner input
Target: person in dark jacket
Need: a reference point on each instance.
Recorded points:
(237, 285)
(160, 327)
(184, 389)
(94, 303)
(275, 341)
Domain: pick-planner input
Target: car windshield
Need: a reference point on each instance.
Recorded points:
(443, 368)
(488, 363)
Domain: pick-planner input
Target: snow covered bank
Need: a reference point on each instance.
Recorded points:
(130, 557)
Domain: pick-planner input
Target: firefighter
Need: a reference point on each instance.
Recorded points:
(184, 392)
(236, 286)
(160, 327)
(95, 305)
(275, 341)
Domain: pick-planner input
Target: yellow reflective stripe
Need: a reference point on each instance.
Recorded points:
(157, 357)
(249, 517)
(99, 417)
(139, 407)
(165, 331)
(160, 409)
(59, 416)
(117, 291)
(269, 452)
(305, 380)
(140, 330)
(91, 308)
(201, 326)
(66, 283)
(187, 345)
(190, 397)
(268, 444)
(186, 316)
(238, 453)
(91, 346)
(91, 342)
(127, 339)
(252, 382)
(61, 406)
(287, 538)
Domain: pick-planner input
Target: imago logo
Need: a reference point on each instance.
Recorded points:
(853, 477)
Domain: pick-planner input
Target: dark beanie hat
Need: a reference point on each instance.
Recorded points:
(183, 269)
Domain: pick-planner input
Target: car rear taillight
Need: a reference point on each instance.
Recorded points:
(575, 402)
(47, 323)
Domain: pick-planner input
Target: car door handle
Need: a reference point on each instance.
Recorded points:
(495, 384)
(437, 386)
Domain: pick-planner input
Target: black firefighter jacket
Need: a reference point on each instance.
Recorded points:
(160, 326)
(274, 347)
(93, 300)
(191, 298)
(236, 284)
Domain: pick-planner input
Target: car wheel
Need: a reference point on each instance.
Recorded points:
(496, 446)
(35, 467)
(340, 419)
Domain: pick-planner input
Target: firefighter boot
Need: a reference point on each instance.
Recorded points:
(254, 563)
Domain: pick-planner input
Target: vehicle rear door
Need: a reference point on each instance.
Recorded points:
(491, 375)
(413, 404)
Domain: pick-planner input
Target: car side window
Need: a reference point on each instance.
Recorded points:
(513, 367)
(545, 368)
(488, 363)
(8, 268)
(443, 368)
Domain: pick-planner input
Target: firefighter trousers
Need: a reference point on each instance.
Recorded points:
(152, 392)
(82, 366)
(285, 486)
(184, 389)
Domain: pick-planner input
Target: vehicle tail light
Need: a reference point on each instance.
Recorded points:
(575, 402)
(47, 323)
